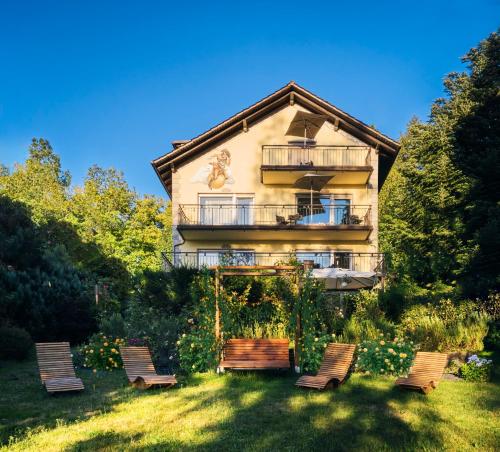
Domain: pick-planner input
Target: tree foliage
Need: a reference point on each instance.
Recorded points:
(59, 241)
(439, 215)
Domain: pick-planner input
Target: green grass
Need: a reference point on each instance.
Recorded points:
(252, 411)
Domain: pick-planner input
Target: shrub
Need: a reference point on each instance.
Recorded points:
(198, 348)
(149, 326)
(15, 343)
(114, 325)
(476, 369)
(103, 352)
(446, 326)
(492, 340)
(384, 356)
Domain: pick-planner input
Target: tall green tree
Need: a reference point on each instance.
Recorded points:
(476, 152)
(434, 203)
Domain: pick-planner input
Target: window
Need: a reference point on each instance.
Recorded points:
(325, 259)
(210, 258)
(342, 259)
(320, 259)
(325, 209)
(224, 210)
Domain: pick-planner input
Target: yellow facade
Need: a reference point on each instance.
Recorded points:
(234, 173)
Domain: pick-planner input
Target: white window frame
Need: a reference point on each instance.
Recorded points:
(234, 203)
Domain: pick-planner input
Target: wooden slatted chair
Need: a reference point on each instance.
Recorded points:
(56, 367)
(140, 369)
(255, 354)
(336, 363)
(425, 373)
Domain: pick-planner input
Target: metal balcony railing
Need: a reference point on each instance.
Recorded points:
(316, 156)
(273, 214)
(363, 262)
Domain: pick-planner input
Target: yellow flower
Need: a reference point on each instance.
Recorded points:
(105, 344)
(382, 342)
(101, 350)
(315, 339)
(376, 349)
(113, 350)
(365, 349)
(386, 360)
(391, 350)
(402, 355)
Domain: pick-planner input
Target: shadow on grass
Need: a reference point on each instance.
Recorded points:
(269, 413)
(25, 404)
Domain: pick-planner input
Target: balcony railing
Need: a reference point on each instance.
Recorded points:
(363, 262)
(273, 215)
(315, 156)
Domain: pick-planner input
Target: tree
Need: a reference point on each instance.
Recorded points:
(40, 289)
(476, 152)
(39, 183)
(439, 217)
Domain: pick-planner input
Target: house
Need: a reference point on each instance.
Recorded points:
(290, 175)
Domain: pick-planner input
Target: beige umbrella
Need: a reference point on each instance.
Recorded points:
(312, 182)
(305, 125)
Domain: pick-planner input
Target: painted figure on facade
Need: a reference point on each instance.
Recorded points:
(217, 172)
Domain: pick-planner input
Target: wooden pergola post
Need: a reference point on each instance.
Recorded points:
(217, 309)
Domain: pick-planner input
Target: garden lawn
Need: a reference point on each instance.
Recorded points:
(244, 411)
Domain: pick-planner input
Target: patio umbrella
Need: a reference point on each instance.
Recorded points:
(343, 279)
(312, 182)
(305, 125)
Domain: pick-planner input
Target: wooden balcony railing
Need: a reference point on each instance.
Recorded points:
(315, 156)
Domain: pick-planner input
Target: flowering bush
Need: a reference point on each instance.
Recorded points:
(385, 356)
(313, 349)
(476, 369)
(102, 353)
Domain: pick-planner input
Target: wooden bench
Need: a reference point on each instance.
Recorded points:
(56, 367)
(334, 368)
(425, 373)
(140, 370)
(255, 354)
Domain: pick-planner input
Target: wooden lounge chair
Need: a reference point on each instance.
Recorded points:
(255, 354)
(425, 373)
(333, 370)
(56, 367)
(140, 369)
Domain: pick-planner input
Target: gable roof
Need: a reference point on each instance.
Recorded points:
(290, 93)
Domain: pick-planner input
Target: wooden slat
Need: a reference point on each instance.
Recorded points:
(335, 366)
(256, 354)
(426, 371)
(56, 367)
(140, 369)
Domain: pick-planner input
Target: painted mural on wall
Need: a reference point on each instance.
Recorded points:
(217, 172)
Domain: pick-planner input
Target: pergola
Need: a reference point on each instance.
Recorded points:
(259, 271)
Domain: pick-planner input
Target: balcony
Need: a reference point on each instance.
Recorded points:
(362, 262)
(284, 164)
(319, 222)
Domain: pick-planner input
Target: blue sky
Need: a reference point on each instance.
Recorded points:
(113, 83)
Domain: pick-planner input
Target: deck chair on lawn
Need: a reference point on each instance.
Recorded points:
(425, 373)
(56, 367)
(140, 369)
(333, 371)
